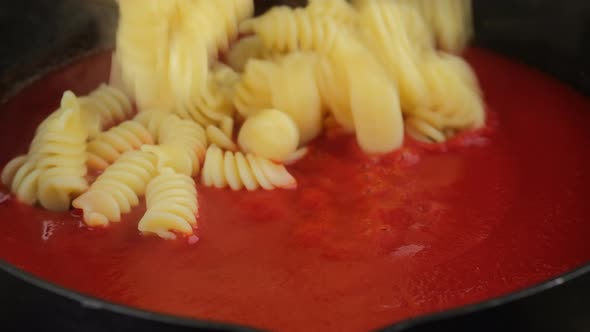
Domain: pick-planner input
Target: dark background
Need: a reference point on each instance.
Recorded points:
(552, 35)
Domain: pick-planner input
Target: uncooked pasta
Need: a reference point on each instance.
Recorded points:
(202, 89)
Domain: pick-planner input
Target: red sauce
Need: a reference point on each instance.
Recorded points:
(362, 242)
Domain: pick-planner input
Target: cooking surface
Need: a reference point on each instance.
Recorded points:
(372, 241)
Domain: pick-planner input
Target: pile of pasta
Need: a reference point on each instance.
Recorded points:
(201, 88)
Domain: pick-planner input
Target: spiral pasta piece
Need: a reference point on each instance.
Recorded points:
(218, 137)
(55, 167)
(152, 121)
(373, 97)
(238, 171)
(338, 10)
(108, 146)
(283, 30)
(399, 38)
(296, 93)
(172, 205)
(22, 178)
(117, 189)
(182, 146)
(269, 134)
(288, 84)
(456, 98)
(254, 90)
(162, 55)
(104, 107)
(246, 49)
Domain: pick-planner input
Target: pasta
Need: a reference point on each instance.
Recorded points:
(254, 90)
(289, 85)
(373, 97)
(338, 10)
(118, 189)
(259, 135)
(370, 68)
(105, 106)
(456, 99)
(152, 121)
(246, 49)
(283, 30)
(216, 136)
(172, 205)
(394, 31)
(21, 176)
(108, 146)
(238, 171)
(182, 146)
(53, 172)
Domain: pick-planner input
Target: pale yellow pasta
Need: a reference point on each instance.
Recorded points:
(163, 57)
(226, 79)
(399, 37)
(237, 171)
(55, 170)
(254, 90)
(283, 29)
(333, 89)
(295, 92)
(172, 205)
(182, 146)
(104, 107)
(338, 10)
(108, 146)
(422, 131)
(22, 177)
(246, 49)
(117, 189)
(270, 134)
(227, 126)
(373, 97)
(210, 105)
(152, 121)
(456, 98)
(288, 84)
(216, 136)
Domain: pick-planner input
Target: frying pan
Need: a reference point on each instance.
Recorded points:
(38, 35)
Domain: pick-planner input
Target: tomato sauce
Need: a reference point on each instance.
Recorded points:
(362, 242)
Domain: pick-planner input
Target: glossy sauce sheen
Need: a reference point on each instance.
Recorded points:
(362, 242)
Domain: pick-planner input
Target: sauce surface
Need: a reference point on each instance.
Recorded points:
(362, 242)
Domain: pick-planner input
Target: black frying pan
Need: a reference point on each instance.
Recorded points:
(39, 34)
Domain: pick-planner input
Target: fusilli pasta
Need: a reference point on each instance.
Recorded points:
(172, 205)
(117, 189)
(260, 135)
(246, 49)
(394, 32)
(283, 29)
(105, 106)
(237, 171)
(288, 84)
(182, 146)
(338, 10)
(218, 137)
(55, 169)
(22, 178)
(108, 146)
